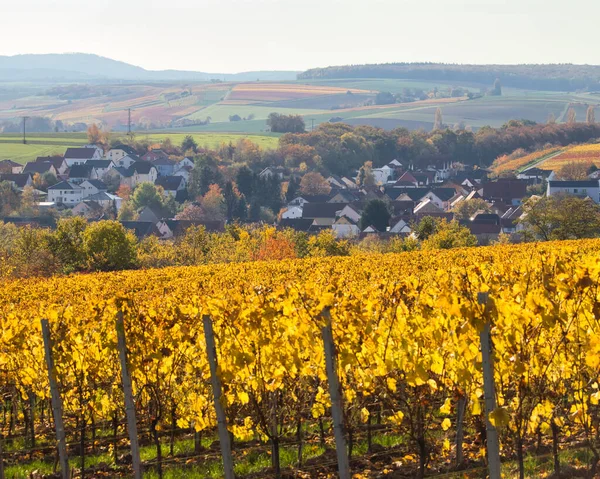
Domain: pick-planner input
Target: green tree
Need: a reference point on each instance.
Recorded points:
(189, 143)
(467, 208)
(146, 194)
(425, 228)
(450, 235)
(365, 175)
(244, 179)
(109, 247)
(66, 243)
(384, 98)
(560, 217)
(127, 212)
(9, 199)
(375, 214)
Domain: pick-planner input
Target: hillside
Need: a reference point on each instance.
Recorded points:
(84, 66)
(559, 77)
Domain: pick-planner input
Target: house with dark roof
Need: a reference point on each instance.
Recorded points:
(100, 168)
(126, 161)
(164, 166)
(120, 151)
(79, 173)
(141, 172)
(582, 189)
(17, 180)
(141, 229)
(171, 184)
(106, 200)
(154, 214)
(88, 209)
(154, 155)
(57, 161)
(79, 156)
(91, 187)
(345, 227)
(507, 191)
(10, 167)
(175, 228)
(65, 193)
(322, 210)
(40, 168)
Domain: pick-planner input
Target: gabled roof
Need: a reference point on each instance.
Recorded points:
(126, 148)
(56, 161)
(488, 218)
(80, 153)
(298, 224)
(35, 167)
(505, 189)
(99, 184)
(179, 227)
(407, 176)
(141, 167)
(141, 229)
(427, 206)
(169, 183)
(124, 172)
(80, 171)
(10, 163)
(64, 185)
(102, 164)
(19, 179)
(321, 210)
(163, 161)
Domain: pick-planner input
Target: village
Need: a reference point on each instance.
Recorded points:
(88, 181)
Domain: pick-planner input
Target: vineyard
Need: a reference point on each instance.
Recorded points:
(510, 163)
(406, 330)
(587, 154)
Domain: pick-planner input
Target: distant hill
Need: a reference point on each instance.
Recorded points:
(87, 67)
(557, 77)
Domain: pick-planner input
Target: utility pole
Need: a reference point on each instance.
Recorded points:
(129, 134)
(25, 118)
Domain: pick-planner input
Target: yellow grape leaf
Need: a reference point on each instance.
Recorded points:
(446, 424)
(397, 418)
(391, 384)
(499, 417)
(446, 407)
(364, 415)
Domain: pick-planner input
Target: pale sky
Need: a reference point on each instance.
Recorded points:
(239, 35)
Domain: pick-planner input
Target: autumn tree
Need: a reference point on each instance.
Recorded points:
(109, 247)
(365, 175)
(96, 136)
(571, 116)
(191, 212)
(28, 205)
(551, 119)
(314, 183)
(448, 235)
(467, 208)
(590, 115)
(574, 170)
(66, 243)
(213, 204)
(9, 199)
(438, 122)
(560, 217)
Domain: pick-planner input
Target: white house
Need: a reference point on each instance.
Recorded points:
(292, 212)
(383, 174)
(119, 152)
(92, 187)
(351, 212)
(79, 156)
(582, 189)
(66, 193)
(100, 168)
(184, 172)
(185, 163)
(345, 227)
(126, 161)
(400, 226)
(141, 172)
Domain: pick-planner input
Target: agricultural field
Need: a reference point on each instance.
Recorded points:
(408, 362)
(577, 154)
(45, 144)
(185, 107)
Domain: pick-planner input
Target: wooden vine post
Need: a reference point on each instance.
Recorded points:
(489, 391)
(224, 439)
(57, 406)
(129, 402)
(336, 397)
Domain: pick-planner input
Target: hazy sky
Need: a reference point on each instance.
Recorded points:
(240, 35)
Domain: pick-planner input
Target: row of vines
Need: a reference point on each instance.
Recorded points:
(406, 329)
